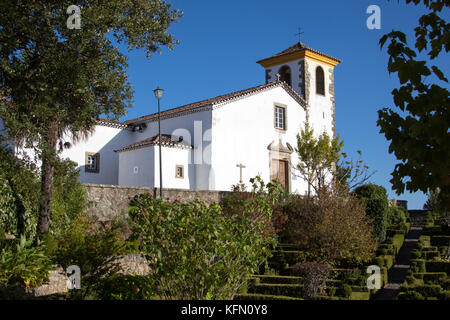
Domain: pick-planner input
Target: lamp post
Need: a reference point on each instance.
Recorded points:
(158, 94)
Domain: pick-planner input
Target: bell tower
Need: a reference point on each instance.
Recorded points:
(311, 74)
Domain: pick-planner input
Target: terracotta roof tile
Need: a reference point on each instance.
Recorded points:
(167, 140)
(299, 46)
(221, 99)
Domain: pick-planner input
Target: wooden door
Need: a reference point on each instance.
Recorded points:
(279, 171)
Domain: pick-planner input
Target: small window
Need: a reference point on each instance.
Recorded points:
(320, 81)
(285, 74)
(92, 162)
(179, 172)
(280, 118)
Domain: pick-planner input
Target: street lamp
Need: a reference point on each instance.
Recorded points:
(158, 94)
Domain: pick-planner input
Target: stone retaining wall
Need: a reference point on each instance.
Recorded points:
(106, 202)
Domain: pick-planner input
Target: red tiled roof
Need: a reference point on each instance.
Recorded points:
(299, 46)
(222, 98)
(110, 123)
(167, 140)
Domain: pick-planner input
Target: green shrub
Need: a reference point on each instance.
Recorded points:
(126, 287)
(410, 295)
(331, 291)
(198, 251)
(23, 264)
(69, 198)
(428, 290)
(8, 209)
(344, 291)
(396, 215)
(282, 258)
(431, 277)
(19, 195)
(95, 251)
(376, 207)
(397, 242)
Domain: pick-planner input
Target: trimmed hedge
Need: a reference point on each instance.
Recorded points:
(385, 261)
(291, 290)
(282, 259)
(277, 279)
(438, 266)
(255, 296)
(410, 295)
(426, 290)
(439, 241)
(417, 265)
(431, 277)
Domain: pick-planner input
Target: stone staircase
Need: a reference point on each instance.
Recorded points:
(398, 272)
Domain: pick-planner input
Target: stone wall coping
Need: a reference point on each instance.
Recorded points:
(112, 186)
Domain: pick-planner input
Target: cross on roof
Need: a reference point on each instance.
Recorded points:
(299, 34)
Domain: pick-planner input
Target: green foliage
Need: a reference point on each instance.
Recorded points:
(126, 287)
(198, 252)
(316, 156)
(69, 197)
(19, 194)
(434, 201)
(410, 295)
(344, 290)
(419, 135)
(376, 207)
(95, 251)
(396, 215)
(8, 209)
(22, 264)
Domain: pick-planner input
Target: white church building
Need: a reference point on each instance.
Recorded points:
(219, 142)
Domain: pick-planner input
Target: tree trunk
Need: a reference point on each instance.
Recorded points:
(47, 171)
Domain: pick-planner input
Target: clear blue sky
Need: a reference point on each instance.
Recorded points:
(220, 42)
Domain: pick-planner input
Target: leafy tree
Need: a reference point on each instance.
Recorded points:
(55, 80)
(419, 135)
(320, 158)
(317, 155)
